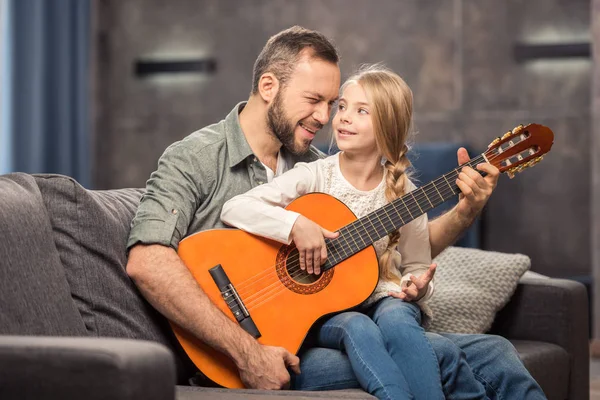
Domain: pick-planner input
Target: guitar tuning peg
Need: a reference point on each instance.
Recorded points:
(510, 174)
(494, 142)
(507, 134)
(518, 129)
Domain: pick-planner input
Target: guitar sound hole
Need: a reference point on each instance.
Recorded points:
(298, 275)
(295, 279)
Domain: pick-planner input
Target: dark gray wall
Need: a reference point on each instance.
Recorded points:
(457, 55)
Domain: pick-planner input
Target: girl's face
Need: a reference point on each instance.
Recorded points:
(352, 124)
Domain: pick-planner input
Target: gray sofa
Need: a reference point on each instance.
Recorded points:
(72, 324)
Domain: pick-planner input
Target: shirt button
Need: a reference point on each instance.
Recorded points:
(260, 182)
(173, 211)
(255, 159)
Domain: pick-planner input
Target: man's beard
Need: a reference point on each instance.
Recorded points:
(283, 130)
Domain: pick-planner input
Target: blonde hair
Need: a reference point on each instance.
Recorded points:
(391, 104)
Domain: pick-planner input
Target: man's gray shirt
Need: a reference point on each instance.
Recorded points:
(195, 177)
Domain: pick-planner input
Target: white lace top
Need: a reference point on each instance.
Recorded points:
(260, 211)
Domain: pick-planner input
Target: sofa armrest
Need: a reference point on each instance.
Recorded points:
(33, 367)
(553, 311)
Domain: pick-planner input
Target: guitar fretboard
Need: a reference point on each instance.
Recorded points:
(363, 232)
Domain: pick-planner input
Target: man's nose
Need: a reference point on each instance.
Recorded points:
(322, 113)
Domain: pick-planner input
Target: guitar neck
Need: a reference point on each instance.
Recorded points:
(365, 231)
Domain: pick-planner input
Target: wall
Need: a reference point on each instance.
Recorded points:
(456, 55)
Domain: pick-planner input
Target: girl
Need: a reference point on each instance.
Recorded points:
(385, 342)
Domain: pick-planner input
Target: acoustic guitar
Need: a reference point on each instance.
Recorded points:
(257, 282)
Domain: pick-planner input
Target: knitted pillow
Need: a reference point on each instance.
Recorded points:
(471, 286)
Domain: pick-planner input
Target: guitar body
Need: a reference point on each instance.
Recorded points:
(282, 308)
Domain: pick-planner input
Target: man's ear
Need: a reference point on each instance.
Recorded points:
(268, 87)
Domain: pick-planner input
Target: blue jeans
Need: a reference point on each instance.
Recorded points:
(387, 349)
(489, 362)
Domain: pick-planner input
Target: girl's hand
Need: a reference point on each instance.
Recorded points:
(309, 239)
(417, 287)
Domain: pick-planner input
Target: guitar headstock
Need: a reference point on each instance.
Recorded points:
(521, 148)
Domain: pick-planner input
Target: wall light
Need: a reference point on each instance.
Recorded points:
(150, 67)
(526, 52)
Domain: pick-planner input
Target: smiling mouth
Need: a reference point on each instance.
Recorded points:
(343, 132)
(311, 130)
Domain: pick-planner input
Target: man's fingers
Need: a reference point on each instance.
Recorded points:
(462, 155)
(465, 189)
(291, 361)
(488, 168)
(474, 175)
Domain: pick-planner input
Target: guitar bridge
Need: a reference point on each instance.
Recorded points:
(233, 301)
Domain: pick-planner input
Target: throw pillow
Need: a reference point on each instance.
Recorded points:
(471, 286)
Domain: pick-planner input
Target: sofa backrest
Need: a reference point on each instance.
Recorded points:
(90, 230)
(35, 297)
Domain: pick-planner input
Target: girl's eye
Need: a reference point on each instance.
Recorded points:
(341, 107)
(362, 111)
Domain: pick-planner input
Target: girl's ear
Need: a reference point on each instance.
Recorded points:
(268, 87)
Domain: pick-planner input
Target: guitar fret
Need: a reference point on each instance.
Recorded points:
(438, 192)
(450, 186)
(408, 209)
(397, 212)
(413, 196)
(352, 237)
(366, 230)
(430, 203)
(388, 215)
(385, 230)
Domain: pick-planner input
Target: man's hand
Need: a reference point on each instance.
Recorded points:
(309, 239)
(475, 189)
(417, 287)
(265, 368)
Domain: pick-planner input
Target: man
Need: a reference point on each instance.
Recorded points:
(295, 84)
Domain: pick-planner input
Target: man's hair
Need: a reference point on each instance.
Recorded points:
(283, 50)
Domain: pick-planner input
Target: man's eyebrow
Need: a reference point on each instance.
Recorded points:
(320, 97)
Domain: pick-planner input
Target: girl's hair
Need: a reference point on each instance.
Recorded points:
(391, 105)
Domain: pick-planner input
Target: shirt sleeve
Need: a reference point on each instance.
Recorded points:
(415, 250)
(171, 199)
(261, 210)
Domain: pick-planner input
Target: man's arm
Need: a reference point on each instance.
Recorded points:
(168, 285)
(476, 191)
(173, 194)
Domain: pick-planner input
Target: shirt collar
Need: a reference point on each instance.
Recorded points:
(237, 145)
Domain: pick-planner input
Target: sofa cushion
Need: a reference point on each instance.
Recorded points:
(471, 286)
(90, 229)
(35, 297)
(537, 357)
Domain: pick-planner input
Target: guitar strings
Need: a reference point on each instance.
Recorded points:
(294, 271)
(446, 191)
